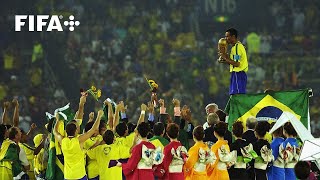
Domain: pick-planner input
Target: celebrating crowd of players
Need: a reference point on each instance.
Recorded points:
(159, 148)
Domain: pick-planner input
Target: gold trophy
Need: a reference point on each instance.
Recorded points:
(222, 48)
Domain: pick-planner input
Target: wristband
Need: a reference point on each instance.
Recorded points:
(143, 112)
(123, 115)
(162, 110)
(177, 111)
(151, 117)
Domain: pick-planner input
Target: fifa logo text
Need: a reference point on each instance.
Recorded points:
(44, 22)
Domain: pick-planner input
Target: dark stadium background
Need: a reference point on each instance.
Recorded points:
(173, 42)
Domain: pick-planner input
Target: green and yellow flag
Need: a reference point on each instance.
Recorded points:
(56, 160)
(269, 106)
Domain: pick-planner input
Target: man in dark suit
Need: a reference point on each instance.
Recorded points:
(249, 134)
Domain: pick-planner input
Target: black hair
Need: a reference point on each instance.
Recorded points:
(278, 132)
(108, 137)
(71, 129)
(220, 128)
(158, 128)
(237, 128)
(131, 127)
(8, 126)
(182, 124)
(13, 131)
(173, 130)
(262, 128)
(222, 115)
(88, 126)
(73, 121)
(121, 129)
(102, 125)
(143, 129)
(302, 170)
(198, 133)
(290, 129)
(23, 132)
(233, 32)
(3, 130)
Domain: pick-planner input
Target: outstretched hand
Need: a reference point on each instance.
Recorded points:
(33, 126)
(6, 104)
(161, 102)
(91, 116)
(176, 102)
(120, 106)
(143, 107)
(15, 102)
(107, 102)
(150, 107)
(119, 164)
(186, 113)
(100, 113)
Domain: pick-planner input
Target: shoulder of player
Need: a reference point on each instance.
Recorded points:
(240, 45)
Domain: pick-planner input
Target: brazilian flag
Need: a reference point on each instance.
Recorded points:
(269, 106)
(56, 160)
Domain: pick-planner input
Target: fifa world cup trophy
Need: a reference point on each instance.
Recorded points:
(222, 48)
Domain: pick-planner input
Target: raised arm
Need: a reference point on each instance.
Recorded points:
(80, 112)
(163, 114)
(56, 133)
(32, 127)
(110, 113)
(91, 116)
(177, 112)
(5, 117)
(151, 111)
(186, 115)
(124, 117)
(15, 119)
(142, 114)
(151, 116)
(82, 138)
(116, 116)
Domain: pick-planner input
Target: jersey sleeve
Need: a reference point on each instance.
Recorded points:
(241, 52)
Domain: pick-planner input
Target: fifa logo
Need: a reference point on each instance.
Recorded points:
(44, 22)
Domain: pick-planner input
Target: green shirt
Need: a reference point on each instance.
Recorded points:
(159, 141)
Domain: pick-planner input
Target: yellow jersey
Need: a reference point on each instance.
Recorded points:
(121, 150)
(124, 145)
(29, 152)
(74, 164)
(39, 163)
(238, 53)
(101, 154)
(92, 166)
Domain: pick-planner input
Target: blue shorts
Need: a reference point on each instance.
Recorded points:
(238, 83)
